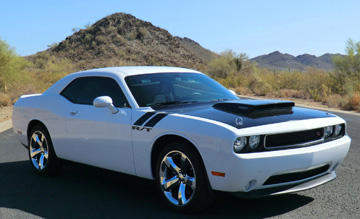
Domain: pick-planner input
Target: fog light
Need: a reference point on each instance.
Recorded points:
(328, 131)
(239, 144)
(337, 130)
(254, 141)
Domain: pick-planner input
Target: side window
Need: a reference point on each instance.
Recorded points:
(84, 90)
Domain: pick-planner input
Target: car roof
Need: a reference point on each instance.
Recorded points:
(135, 70)
(120, 72)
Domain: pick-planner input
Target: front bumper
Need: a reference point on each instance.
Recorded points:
(248, 174)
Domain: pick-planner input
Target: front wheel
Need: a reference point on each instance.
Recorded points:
(181, 178)
(41, 152)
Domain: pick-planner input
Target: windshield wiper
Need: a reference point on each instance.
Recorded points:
(224, 99)
(171, 103)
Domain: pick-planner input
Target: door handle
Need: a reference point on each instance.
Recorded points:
(73, 112)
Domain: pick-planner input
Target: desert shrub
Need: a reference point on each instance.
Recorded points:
(110, 29)
(5, 100)
(120, 53)
(75, 29)
(118, 39)
(337, 101)
(88, 37)
(229, 65)
(53, 45)
(88, 26)
(100, 39)
(46, 70)
(262, 88)
(142, 33)
(242, 90)
(290, 93)
(354, 102)
(232, 80)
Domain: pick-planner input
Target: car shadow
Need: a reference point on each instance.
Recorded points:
(80, 191)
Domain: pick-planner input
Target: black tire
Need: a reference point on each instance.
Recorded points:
(183, 185)
(41, 152)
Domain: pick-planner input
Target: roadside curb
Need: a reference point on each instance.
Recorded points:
(6, 125)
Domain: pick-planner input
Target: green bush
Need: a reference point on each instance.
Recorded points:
(142, 33)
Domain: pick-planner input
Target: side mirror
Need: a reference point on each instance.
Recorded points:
(105, 101)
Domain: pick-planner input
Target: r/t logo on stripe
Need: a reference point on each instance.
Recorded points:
(150, 119)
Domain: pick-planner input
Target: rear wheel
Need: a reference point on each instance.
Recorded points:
(41, 152)
(181, 178)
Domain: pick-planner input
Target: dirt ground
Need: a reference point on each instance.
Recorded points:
(5, 113)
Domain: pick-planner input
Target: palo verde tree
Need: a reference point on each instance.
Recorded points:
(11, 66)
(347, 69)
(228, 64)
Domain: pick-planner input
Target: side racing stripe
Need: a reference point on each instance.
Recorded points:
(143, 118)
(153, 121)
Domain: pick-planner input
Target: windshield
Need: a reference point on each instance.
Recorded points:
(175, 88)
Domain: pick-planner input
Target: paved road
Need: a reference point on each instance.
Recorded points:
(86, 192)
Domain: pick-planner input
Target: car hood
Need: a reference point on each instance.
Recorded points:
(245, 113)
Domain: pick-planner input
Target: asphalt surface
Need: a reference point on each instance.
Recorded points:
(87, 192)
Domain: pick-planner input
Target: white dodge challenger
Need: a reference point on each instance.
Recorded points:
(183, 129)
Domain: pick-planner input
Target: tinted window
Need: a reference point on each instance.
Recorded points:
(84, 90)
(175, 88)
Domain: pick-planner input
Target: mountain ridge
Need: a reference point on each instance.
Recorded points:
(283, 61)
(122, 39)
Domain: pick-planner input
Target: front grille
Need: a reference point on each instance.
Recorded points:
(290, 177)
(294, 139)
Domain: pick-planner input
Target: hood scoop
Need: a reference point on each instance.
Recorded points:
(256, 108)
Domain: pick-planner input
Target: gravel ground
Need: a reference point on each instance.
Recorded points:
(5, 113)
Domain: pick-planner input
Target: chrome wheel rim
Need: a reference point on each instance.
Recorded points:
(177, 178)
(39, 148)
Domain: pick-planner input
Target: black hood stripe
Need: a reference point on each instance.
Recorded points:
(248, 119)
(153, 121)
(143, 118)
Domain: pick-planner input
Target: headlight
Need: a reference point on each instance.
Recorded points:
(254, 141)
(337, 130)
(328, 131)
(239, 144)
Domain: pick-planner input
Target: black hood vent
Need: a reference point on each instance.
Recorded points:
(256, 108)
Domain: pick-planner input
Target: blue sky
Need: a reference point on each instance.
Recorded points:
(254, 27)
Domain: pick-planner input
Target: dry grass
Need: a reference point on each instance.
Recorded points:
(5, 100)
(337, 101)
(354, 102)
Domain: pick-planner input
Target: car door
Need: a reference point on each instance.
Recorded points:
(96, 136)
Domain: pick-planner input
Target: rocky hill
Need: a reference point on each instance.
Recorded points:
(280, 61)
(122, 39)
(198, 50)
